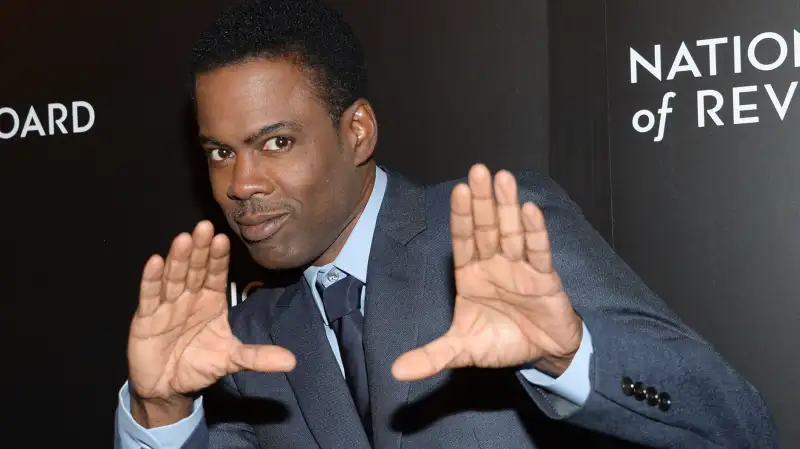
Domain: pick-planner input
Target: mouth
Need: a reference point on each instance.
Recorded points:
(255, 229)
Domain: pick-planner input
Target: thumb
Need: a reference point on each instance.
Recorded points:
(428, 360)
(262, 358)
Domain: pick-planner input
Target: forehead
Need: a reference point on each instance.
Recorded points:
(234, 100)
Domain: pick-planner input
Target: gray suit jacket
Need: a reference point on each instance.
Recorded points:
(410, 302)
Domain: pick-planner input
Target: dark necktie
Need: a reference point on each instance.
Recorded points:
(341, 301)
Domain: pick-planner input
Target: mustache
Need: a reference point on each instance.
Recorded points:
(257, 206)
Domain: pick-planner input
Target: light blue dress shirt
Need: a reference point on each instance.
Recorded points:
(573, 385)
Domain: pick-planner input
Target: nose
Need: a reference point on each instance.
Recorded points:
(249, 178)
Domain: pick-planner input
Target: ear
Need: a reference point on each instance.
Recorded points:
(358, 129)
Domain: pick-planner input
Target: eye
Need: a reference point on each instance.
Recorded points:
(219, 154)
(278, 143)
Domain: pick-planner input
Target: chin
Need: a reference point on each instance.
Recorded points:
(275, 257)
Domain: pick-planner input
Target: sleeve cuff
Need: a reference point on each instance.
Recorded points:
(132, 435)
(574, 384)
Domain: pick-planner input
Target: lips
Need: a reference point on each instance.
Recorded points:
(255, 228)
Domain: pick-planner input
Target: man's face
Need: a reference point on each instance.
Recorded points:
(288, 182)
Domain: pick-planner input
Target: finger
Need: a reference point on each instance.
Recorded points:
(198, 261)
(537, 242)
(150, 288)
(512, 237)
(429, 360)
(177, 266)
(461, 225)
(218, 260)
(262, 358)
(484, 214)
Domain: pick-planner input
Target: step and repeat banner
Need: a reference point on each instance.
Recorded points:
(704, 120)
(100, 168)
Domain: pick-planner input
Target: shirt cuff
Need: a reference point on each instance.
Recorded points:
(132, 435)
(574, 384)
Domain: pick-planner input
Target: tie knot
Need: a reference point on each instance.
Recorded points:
(342, 297)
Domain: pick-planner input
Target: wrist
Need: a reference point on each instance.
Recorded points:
(556, 364)
(151, 412)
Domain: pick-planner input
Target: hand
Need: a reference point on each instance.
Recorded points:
(510, 307)
(180, 341)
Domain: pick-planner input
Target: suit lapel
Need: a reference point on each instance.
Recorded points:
(317, 381)
(395, 284)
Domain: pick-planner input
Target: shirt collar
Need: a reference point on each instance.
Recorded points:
(353, 259)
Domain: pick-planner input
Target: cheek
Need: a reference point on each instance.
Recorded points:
(306, 178)
(220, 181)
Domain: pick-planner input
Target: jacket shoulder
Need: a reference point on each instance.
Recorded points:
(532, 185)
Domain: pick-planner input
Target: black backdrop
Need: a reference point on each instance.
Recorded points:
(706, 215)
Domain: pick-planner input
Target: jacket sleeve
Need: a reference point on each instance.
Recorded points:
(654, 381)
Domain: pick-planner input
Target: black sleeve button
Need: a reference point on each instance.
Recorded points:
(638, 391)
(627, 386)
(664, 402)
(652, 396)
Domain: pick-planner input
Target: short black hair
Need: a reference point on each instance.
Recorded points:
(308, 32)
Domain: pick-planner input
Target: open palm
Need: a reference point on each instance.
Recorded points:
(180, 340)
(510, 307)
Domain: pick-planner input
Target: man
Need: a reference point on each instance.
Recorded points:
(448, 316)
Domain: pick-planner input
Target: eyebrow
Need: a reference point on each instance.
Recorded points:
(252, 138)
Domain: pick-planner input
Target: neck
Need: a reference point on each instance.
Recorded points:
(333, 251)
